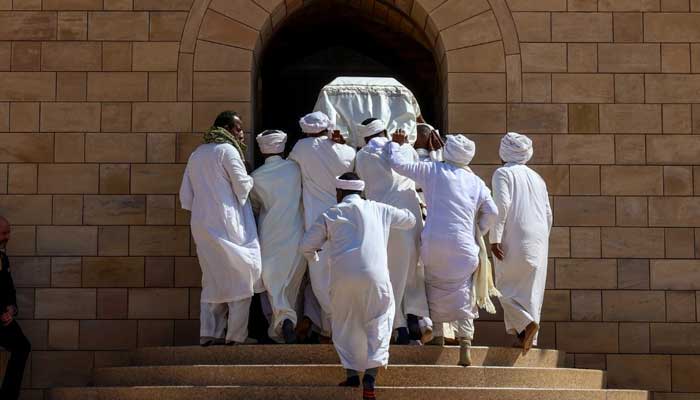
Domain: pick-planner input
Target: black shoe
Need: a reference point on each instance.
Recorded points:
(414, 332)
(403, 337)
(290, 336)
(368, 387)
(353, 381)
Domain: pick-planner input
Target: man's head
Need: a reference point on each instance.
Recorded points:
(515, 148)
(422, 136)
(272, 142)
(459, 150)
(372, 128)
(5, 230)
(230, 121)
(315, 124)
(347, 184)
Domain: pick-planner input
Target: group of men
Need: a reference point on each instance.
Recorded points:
(363, 246)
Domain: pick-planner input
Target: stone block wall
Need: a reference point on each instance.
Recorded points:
(101, 102)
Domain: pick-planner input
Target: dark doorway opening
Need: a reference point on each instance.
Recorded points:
(327, 39)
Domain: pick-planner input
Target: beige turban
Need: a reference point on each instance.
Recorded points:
(315, 122)
(516, 148)
(356, 185)
(459, 150)
(373, 128)
(271, 141)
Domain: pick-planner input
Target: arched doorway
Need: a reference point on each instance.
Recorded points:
(327, 39)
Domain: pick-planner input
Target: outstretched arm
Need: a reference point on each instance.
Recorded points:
(314, 238)
(417, 171)
(401, 218)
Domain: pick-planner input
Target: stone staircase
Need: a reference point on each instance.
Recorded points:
(311, 372)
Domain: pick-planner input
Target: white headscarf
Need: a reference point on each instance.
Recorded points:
(459, 150)
(356, 185)
(377, 145)
(373, 128)
(314, 122)
(516, 148)
(271, 141)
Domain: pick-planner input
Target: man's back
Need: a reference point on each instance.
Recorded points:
(383, 184)
(218, 179)
(529, 214)
(321, 160)
(276, 196)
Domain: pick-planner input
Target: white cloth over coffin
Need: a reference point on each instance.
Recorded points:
(215, 187)
(386, 186)
(523, 227)
(321, 160)
(457, 199)
(350, 100)
(357, 232)
(276, 197)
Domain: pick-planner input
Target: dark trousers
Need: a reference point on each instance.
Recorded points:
(13, 340)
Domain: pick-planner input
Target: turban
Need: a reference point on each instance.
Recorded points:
(459, 150)
(315, 122)
(271, 141)
(373, 128)
(355, 185)
(515, 148)
(376, 145)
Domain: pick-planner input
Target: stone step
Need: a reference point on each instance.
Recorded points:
(336, 393)
(325, 354)
(331, 375)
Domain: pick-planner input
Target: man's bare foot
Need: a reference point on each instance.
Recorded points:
(465, 355)
(529, 336)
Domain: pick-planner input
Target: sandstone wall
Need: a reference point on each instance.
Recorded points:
(101, 102)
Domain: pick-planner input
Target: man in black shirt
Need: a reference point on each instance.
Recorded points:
(11, 337)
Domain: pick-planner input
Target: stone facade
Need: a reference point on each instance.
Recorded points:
(101, 102)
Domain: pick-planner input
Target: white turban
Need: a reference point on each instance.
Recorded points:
(272, 141)
(373, 128)
(315, 122)
(377, 145)
(516, 148)
(459, 150)
(356, 185)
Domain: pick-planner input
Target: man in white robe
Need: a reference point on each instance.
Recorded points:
(520, 238)
(215, 188)
(386, 186)
(321, 158)
(276, 199)
(458, 202)
(362, 302)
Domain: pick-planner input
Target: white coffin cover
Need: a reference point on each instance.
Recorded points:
(349, 100)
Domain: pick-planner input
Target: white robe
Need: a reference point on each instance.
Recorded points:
(321, 160)
(276, 198)
(457, 199)
(362, 300)
(523, 227)
(215, 187)
(385, 186)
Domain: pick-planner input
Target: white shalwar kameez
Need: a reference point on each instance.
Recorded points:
(457, 199)
(276, 196)
(523, 228)
(321, 160)
(386, 186)
(362, 301)
(215, 187)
